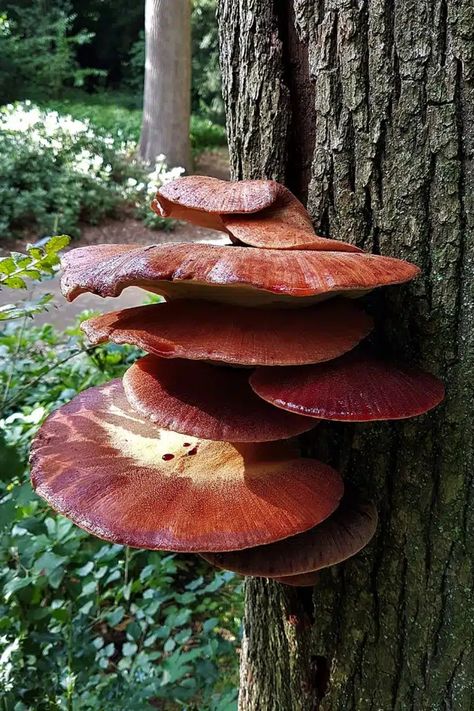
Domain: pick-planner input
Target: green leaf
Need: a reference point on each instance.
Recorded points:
(7, 265)
(7, 513)
(210, 625)
(15, 282)
(11, 464)
(54, 244)
(85, 569)
(129, 648)
(48, 562)
(16, 584)
(113, 618)
(169, 645)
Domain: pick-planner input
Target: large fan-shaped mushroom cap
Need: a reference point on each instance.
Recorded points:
(286, 224)
(357, 387)
(339, 537)
(229, 274)
(202, 330)
(199, 399)
(115, 475)
(202, 200)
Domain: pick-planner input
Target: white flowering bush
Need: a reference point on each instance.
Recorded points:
(57, 171)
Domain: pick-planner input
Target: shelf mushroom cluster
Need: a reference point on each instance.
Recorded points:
(256, 341)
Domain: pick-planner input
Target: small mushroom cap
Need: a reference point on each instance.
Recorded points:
(203, 200)
(239, 275)
(209, 220)
(286, 224)
(357, 387)
(202, 400)
(96, 461)
(339, 537)
(200, 192)
(202, 330)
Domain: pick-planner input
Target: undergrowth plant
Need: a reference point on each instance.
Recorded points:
(58, 171)
(86, 625)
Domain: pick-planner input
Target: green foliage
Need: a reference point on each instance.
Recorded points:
(17, 268)
(37, 262)
(58, 171)
(135, 66)
(85, 624)
(38, 49)
(116, 114)
(206, 94)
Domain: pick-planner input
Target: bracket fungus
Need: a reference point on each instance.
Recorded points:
(258, 213)
(358, 387)
(197, 399)
(236, 335)
(339, 537)
(236, 275)
(97, 461)
(190, 454)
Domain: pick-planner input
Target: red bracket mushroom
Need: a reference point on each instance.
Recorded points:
(190, 454)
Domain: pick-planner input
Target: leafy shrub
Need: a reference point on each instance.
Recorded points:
(58, 170)
(38, 50)
(206, 90)
(85, 624)
(116, 114)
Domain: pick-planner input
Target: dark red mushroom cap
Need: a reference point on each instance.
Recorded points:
(239, 275)
(96, 461)
(339, 537)
(357, 387)
(202, 330)
(285, 224)
(206, 401)
(304, 580)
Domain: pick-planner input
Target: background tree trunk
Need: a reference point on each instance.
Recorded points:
(167, 92)
(366, 108)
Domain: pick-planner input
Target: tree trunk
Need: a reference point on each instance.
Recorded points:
(167, 92)
(366, 109)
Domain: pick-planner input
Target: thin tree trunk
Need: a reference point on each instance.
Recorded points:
(167, 91)
(366, 108)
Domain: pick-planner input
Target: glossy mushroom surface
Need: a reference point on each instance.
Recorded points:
(339, 537)
(238, 335)
(96, 461)
(206, 401)
(285, 224)
(239, 275)
(358, 387)
(202, 200)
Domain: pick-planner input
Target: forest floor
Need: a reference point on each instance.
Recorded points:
(126, 229)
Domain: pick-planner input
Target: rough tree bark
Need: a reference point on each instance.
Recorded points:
(366, 109)
(167, 91)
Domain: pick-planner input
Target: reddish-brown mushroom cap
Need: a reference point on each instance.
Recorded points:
(229, 274)
(206, 401)
(203, 200)
(108, 470)
(201, 192)
(357, 387)
(201, 330)
(339, 537)
(283, 225)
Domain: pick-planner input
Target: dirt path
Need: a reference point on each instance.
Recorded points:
(61, 313)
